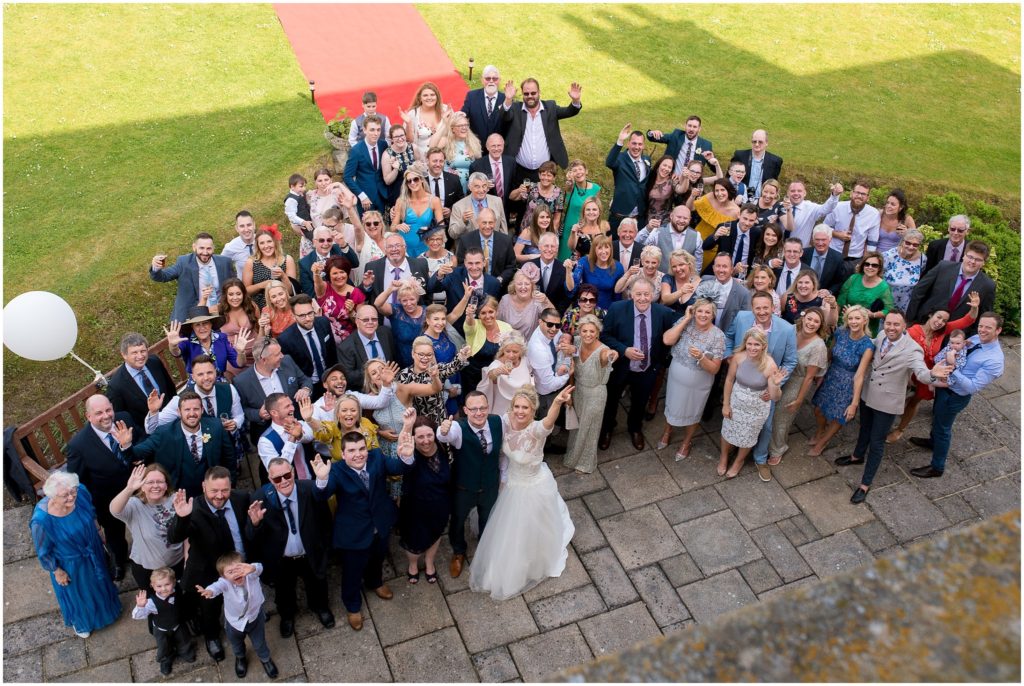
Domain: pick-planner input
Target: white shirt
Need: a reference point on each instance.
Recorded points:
(454, 437)
(150, 607)
(242, 604)
(268, 452)
(806, 216)
(389, 272)
(293, 545)
(538, 354)
(366, 402)
(534, 150)
(238, 251)
(103, 435)
(440, 185)
(780, 287)
(170, 413)
(865, 230)
(270, 384)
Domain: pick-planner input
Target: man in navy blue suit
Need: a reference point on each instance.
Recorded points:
(483, 105)
(629, 169)
(362, 171)
(633, 329)
(365, 514)
(471, 271)
(682, 145)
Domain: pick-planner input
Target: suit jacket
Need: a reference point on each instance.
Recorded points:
(886, 387)
(252, 395)
(475, 107)
(417, 265)
(359, 512)
(352, 355)
(503, 256)
(771, 165)
(936, 249)
(293, 344)
(98, 470)
(454, 290)
(186, 270)
(307, 262)
(556, 291)
(126, 395)
(457, 226)
(727, 244)
(266, 542)
(617, 331)
(833, 272)
(781, 340)
(936, 287)
(515, 119)
(452, 189)
(738, 300)
(630, 192)
(675, 141)
(667, 246)
(168, 447)
(209, 537)
(508, 167)
(361, 177)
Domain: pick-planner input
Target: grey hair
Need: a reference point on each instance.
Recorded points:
(957, 217)
(821, 229)
(913, 233)
(59, 480)
(650, 251)
(322, 230)
(629, 220)
(511, 338)
(478, 176)
(489, 69)
(130, 340)
(641, 279)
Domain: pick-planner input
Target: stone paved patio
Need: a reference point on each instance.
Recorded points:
(659, 546)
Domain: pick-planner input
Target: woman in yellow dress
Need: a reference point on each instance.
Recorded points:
(714, 208)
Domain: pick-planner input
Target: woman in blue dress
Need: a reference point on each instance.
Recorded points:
(437, 327)
(68, 545)
(426, 501)
(838, 397)
(415, 211)
(601, 270)
(461, 148)
(200, 335)
(406, 318)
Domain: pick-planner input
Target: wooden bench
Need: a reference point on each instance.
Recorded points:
(48, 433)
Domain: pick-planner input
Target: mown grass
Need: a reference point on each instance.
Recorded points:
(137, 128)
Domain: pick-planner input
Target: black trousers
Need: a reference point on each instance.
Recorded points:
(290, 571)
(640, 386)
(361, 566)
(206, 612)
(113, 530)
(874, 427)
(141, 574)
(463, 503)
(174, 643)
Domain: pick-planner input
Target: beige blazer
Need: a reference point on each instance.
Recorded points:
(457, 226)
(886, 388)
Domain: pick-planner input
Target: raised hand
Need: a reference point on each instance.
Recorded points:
(321, 469)
(173, 334)
(942, 371)
(408, 419)
(406, 445)
(141, 599)
(329, 400)
(777, 376)
(405, 115)
(575, 91)
(446, 426)
(136, 478)
(564, 395)
(367, 280)
(182, 505)
(974, 299)
(388, 373)
(465, 353)
(256, 512)
(204, 592)
(624, 133)
(122, 433)
(242, 338)
(305, 410)
(510, 90)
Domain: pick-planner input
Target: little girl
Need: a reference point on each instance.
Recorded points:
(954, 353)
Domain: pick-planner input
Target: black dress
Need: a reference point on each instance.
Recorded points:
(426, 502)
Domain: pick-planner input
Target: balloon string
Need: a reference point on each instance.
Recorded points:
(100, 380)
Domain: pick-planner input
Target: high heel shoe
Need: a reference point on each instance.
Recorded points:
(683, 452)
(663, 443)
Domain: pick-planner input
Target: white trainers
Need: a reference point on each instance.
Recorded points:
(82, 634)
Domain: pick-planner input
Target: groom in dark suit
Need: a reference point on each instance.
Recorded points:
(633, 328)
(362, 170)
(476, 442)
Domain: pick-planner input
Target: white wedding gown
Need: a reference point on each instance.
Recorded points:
(527, 535)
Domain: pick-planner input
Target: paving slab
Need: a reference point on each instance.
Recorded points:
(906, 512)
(588, 535)
(995, 497)
(283, 651)
(117, 671)
(609, 577)
(778, 549)
(28, 590)
(65, 657)
(640, 537)
(612, 631)
(826, 503)
(760, 576)
(441, 564)
(18, 543)
(124, 637)
(486, 623)
(414, 611)
(25, 668)
(567, 607)
(603, 503)
(681, 570)
(1009, 406)
(991, 465)
(889, 471)
(836, 553)
(695, 472)
(639, 480)
(359, 651)
(659, 595)
(955, 508)
(973, 434)
(573, 576)
(787, 588)
(797, 467)
(691, 505)
(717, 542)
(436, 657)
(756, 503)
(574, 484)
(34, 633)
(716, 595)
(677, 627)
(539, 656)
(145, 667)
(495, 665)
(875, 536)
(956, 478)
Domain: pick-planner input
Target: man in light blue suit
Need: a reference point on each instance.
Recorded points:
(362, 170)
(781, 346)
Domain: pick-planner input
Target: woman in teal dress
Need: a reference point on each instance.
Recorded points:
(838, 397)
(461, 149)
(577, 190)
(867, 288)
(68, 545)
(415, 211)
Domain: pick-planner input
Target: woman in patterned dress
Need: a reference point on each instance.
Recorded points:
(338, 299)
(903, 267)
(593, 366)
(267, 263)
(544, 192)
(423, 372)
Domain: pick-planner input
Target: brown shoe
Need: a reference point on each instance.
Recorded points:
(605, 441)
(455, 567)
(355, 620)
(638, 440)
(765, 472)
(384, 593)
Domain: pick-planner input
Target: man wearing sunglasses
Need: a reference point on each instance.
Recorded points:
(533, 135)
(760, 164)
(951, 248)
(483, 105)
(290, 530)
(328, 241)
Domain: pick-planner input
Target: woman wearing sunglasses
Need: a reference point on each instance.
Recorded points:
(867, 288)
(586, 303)
(415, 211)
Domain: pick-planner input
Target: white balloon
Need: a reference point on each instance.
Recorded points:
(39, 326)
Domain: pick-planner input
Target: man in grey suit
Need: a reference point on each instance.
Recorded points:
(465, 211)
(781, 346)
(730, 296)
(272, 372)
(678, 235)
(947, 286)
(881, 401)
(198, 271)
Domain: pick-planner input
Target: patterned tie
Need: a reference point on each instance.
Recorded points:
(365, 478)
(645, 344)
(955, 255)
(498, 187)
(636, 165)
(299, 462)
(318, 363)
(287, 507)
(490, 106)
(483, 440)
(546, 275)
(207, 407)
(396, 274)
(819, 263)
(194, 448)
(147, 386)
(486, 245)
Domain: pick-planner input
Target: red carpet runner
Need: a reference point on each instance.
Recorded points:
(349, 49)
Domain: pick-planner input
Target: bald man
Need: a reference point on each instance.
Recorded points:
(498, 166)
(761, 165)
(94, 455)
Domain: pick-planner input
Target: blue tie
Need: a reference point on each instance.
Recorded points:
(739, 248)
(373, 348)
(554, 356)
(287, 507)
(317, 362)
(116, 449)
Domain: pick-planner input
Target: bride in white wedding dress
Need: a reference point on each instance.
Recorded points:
(528, 532)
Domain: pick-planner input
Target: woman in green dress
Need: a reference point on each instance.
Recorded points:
(577, 190)
(867, 288)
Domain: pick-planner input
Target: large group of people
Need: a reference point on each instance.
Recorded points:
(460, 307)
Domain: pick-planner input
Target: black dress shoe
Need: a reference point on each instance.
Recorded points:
(926, 472)
(270, 668)
(165, 667)
(287, 627)
(638, 440)
(847, 460)
(920, 442)
(118, 573)
(554, 449)
(604, 442)
(326, 618)
(859, 496)
(215, 649)
(241, 667)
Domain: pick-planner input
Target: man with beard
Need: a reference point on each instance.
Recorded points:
(194, 272)
(533, 134)
(684, 145)
(483, 105)
(854, 224)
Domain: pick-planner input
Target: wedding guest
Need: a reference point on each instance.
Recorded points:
(592, 368)
(483, 333)
(337, 297)
(277, 314)
(680, 284)
(586, 303)
(577, 191)
(522, 305)
(406, 319)
(426, 499)
(903, 267)
(650, 260)
(804, 293)
(894, 221)
(238, 312)
(268, 263)
(602, 270)
(198, 335)
(761, 278)
(811, 363)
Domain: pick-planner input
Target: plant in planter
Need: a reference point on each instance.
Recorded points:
(338, 129)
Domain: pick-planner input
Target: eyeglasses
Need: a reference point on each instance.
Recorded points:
(282, 477)
(324, 240)
(366, 320)
(911, 245)
(476, 409)
(757, 142)
(412, 179)
(303, 315)
(551, 325)
(491, 78)
(973, 258)
(953, 229)
(154, 483)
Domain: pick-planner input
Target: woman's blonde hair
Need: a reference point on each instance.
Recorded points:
(651, 251)
(529, 394)
(856, 308)
(337, 408)
(257, 254)
(520, 275)
(369, 387)
(764, 362)
(472, 143)
(272, 284)
(510, 338)
(591, 319)
(685, 256)
(704, 302)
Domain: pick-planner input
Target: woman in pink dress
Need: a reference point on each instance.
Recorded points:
(338, 299)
